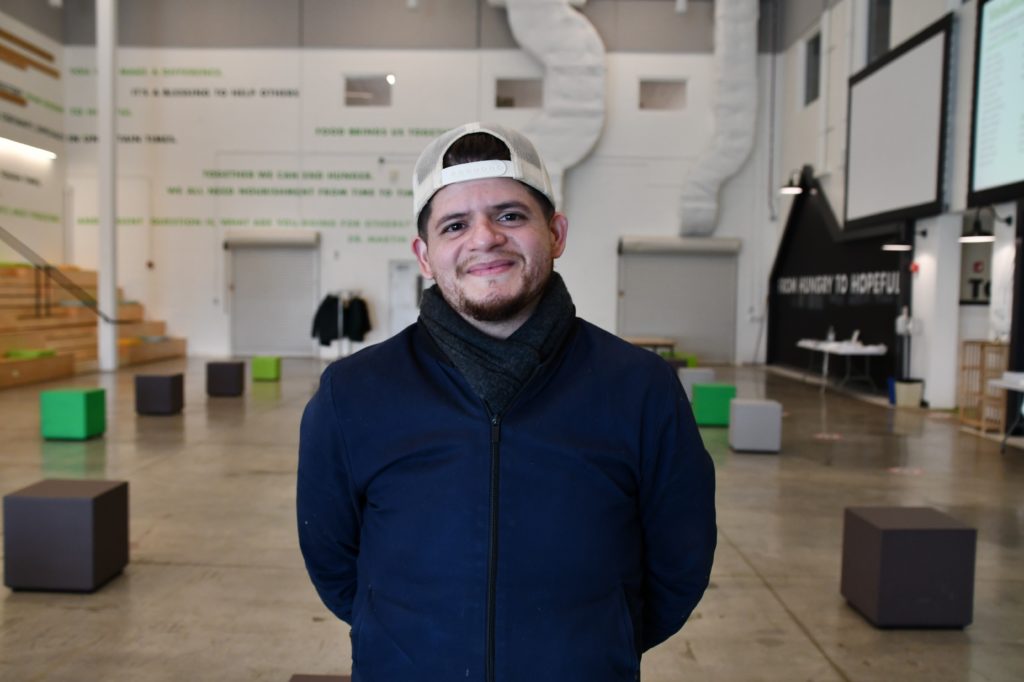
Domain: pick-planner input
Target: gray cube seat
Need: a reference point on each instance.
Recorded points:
(65, 535)
(689, 376)
(225, 378)
(755, 425)
(159, 394)
(908, 566)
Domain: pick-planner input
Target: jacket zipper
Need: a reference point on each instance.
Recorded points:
(492, 560)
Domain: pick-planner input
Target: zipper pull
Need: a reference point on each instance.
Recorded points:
(495, 429)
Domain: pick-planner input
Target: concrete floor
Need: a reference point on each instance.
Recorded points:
(216, 589)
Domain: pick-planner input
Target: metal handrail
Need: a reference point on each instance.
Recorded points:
(52, 273)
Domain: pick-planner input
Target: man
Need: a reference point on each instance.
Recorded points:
(502, 492)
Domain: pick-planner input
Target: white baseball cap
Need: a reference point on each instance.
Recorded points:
(526, 166)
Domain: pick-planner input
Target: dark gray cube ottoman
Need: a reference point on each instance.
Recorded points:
(225, 378)
(65, 535)
(159, 394)
(908, 566)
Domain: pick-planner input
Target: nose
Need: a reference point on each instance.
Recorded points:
(486, 233)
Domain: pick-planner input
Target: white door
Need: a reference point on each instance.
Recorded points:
(274, 296)
(404, 285)
(689, 297)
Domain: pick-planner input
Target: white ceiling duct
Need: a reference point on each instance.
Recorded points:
(734, 111)
(572, 53)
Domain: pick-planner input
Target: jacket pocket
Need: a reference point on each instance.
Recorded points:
(628, 631)
(376, 655)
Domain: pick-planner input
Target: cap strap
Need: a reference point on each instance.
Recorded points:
(477, 170)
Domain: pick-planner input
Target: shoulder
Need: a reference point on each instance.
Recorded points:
(617, 349)
(380, 358)
(610, 354)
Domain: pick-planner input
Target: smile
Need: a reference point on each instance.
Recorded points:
(490, 268)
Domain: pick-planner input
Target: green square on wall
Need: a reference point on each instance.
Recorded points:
(266, 368)
(711, 403)
(72, 413)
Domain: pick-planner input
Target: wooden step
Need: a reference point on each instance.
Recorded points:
(83, 278)
(18, 322)
(131, 312)
(21, 372)
(138, 354)
(66, 336)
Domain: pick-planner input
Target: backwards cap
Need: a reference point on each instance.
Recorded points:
(525, 166)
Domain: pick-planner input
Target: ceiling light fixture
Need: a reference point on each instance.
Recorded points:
(977, 235)
(897, 246)
(901, 243)
(793, 186)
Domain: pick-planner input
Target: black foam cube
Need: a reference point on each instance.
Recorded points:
(225, 378)
(908, 566)
(65, 535)
(159, 394)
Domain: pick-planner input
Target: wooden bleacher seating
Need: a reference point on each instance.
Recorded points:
(69, 329)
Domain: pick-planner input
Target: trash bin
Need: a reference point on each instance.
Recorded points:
(909, 392)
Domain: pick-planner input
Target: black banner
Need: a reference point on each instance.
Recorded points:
(826, 280)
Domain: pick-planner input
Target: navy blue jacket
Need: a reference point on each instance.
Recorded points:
(555, 542)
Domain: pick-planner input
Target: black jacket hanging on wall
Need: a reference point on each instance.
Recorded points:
(355, 319)
(325, 321)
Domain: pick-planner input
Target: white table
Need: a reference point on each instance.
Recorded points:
(848, 349)
(1009, 385)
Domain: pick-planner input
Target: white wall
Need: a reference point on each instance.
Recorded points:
(628, 185)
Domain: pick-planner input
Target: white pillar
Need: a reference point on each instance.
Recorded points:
(106, 112)
(934, 352)
(1004, 253)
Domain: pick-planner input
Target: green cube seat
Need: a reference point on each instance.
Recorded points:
(72, 413)
(29, 353)
(711, 403)
(266, 368)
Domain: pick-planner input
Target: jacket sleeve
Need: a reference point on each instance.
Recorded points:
(677, 507)
(327, 507)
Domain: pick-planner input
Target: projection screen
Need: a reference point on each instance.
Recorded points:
(896, 137)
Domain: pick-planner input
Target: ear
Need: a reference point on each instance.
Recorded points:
(559, 227)
(419, 249)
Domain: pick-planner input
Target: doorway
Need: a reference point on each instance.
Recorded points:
(274, 289)
(682, 289)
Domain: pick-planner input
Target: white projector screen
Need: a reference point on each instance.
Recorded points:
(997, 133)
(897, 132)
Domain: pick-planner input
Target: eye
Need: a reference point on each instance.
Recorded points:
(511, 217)
(452, 227)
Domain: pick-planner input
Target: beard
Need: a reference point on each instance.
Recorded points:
(496, 311)
(501, 309)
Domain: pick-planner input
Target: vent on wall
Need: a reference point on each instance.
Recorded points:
(663, 94)
(519, 93)
(369, 91)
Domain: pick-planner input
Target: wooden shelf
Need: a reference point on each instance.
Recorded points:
(982, 406)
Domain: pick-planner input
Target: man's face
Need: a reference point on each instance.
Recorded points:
(489, 248)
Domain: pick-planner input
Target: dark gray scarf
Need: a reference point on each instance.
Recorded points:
(497, 369)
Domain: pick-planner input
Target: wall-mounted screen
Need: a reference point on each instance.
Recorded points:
(997, 130)
(896, 137)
